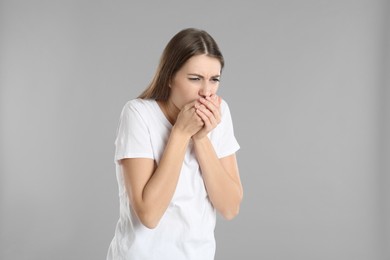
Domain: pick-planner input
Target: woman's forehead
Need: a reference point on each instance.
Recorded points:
(202, 64)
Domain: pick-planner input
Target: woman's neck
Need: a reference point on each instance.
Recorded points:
(170, 110)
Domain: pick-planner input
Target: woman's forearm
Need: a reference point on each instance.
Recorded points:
(221, 181)
(158, 191)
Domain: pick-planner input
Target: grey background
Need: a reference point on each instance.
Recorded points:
(308, 85)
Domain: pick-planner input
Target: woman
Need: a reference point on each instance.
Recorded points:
(175, 157)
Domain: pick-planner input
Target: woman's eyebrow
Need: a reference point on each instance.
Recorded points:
(200, 76)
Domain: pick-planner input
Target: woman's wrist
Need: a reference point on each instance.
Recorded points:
(199, 139)
(180, 133)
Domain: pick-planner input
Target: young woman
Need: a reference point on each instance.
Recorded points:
(175, 158)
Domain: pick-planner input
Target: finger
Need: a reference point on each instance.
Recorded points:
(210, 116)
(212, 107)
(205, 119)
(217, 100)
(208, 102)
(190, 105)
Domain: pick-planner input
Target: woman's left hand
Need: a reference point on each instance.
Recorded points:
(209, 110)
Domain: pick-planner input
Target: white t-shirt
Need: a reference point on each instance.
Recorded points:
(186, 230)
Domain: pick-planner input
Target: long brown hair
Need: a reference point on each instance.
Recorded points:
(185, 44)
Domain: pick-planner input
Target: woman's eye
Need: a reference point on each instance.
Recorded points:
(215, 80)
(194, 79)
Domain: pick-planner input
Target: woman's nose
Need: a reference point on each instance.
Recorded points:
(205, 90)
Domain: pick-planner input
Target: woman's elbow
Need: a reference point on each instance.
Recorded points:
(148, 220)
(231, 213)
(150, 225)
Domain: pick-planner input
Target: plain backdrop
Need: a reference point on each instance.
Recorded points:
(307, 82)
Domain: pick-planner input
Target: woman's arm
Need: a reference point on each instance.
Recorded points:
(150, 187)
(221, 176)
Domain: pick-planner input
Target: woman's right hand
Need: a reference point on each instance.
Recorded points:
(188, 121)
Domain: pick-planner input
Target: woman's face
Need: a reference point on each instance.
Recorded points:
(198, 77)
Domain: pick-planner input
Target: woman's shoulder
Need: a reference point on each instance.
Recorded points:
(224, 106)
(139, 104)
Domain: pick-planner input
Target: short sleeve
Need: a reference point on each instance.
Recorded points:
(227, 143)
(133, 138)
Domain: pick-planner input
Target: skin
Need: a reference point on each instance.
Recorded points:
(193, 108)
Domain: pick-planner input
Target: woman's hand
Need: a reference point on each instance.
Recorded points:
(188, 122)
(208, 109)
